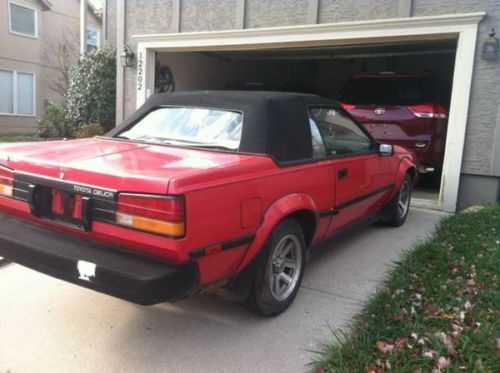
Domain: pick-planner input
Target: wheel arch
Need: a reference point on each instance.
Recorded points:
(308, 221)
(297, 206)
(412, 171)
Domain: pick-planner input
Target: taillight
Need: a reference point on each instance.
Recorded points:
(150, 213)
(428, 111)
(347, 107)
(6, 182)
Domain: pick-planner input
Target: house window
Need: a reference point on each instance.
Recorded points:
(23, 20)
(17, 93)
(93, 39)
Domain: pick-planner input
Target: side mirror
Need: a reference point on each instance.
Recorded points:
(386, 149)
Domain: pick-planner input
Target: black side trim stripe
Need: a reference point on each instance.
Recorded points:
(365, 196)
(331, 212)
(335, 211)
(225, 245)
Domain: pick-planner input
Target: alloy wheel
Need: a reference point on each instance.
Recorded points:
(404, 199)
(285, 267)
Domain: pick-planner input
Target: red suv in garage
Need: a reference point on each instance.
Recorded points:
(401, 109)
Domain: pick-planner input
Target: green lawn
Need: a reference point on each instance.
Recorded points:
(18, 138)
(438, 311)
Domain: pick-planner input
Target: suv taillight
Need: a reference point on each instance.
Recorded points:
(150, 213)
(6, 182)
(428, 111)
(347, 107)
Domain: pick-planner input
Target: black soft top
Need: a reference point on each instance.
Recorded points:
(274, 123)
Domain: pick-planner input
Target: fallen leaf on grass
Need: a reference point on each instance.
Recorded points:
(448, 342)
(384, 347)
(442, 363)
(429, 354)
(401, 341)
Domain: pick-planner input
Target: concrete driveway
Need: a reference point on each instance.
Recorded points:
(47, 325)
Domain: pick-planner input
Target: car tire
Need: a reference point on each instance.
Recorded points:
(396, 211)
(279, 275)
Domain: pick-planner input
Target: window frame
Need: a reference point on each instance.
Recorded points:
(15, 94)
(373, 142)
(35, 10)
(98, 32)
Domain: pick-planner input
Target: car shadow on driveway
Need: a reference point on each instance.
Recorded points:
(50, 325)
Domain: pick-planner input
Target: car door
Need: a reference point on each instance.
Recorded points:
(361, 174)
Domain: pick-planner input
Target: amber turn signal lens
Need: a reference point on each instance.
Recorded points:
(7, 191)
(151, 225)
(6, 182)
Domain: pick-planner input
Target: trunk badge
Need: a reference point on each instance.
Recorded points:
(61, 176)
(379, 111)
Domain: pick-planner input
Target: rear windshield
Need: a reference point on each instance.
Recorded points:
(189, 126)
(388, 91)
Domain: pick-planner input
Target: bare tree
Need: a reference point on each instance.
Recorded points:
(59, 55)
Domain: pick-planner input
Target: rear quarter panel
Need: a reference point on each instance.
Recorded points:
(215, 205)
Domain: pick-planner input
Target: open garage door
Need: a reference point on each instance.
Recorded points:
(402, 83)
(400, 92)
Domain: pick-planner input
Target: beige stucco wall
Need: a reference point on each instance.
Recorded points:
(23, 53)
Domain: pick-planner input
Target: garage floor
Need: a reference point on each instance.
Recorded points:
(47, 325)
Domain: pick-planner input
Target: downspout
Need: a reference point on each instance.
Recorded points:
(120, 70)
(83, 27)
(405, 8)
(104, 22)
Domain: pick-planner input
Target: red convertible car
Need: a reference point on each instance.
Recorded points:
(197, 191)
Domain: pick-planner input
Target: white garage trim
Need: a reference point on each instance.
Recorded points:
(460, 26)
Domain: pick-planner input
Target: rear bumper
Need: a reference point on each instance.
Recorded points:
(111, 270)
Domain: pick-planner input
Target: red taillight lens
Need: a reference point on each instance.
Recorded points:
(6, 182)
(347, 107)
(440, 112)
(157, 214)
(428, 111)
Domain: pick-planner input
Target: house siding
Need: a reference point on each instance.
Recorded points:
(482, 133)
(331, 11)
(265, 13)
(56, 26)
(111, 21)
(207, 15)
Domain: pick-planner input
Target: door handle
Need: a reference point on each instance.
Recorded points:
(342, 173)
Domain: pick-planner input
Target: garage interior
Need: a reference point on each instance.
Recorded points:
(320, 70)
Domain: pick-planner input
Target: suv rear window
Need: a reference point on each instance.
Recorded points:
(387, 91)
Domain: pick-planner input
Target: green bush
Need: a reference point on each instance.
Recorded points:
(92, 90)
(54, 124)
(90, 130)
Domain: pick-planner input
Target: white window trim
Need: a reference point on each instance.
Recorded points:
(92, 28)
(36, 20)
(462, 27)
(14, 94)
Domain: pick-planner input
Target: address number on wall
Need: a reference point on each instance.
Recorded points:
(140, 72)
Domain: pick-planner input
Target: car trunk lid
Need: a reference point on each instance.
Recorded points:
(112, 164)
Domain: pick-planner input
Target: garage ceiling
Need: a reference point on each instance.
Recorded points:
(342, 52)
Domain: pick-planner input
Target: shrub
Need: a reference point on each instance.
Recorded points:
(54, 124)
(92, 90)
(90, 130)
